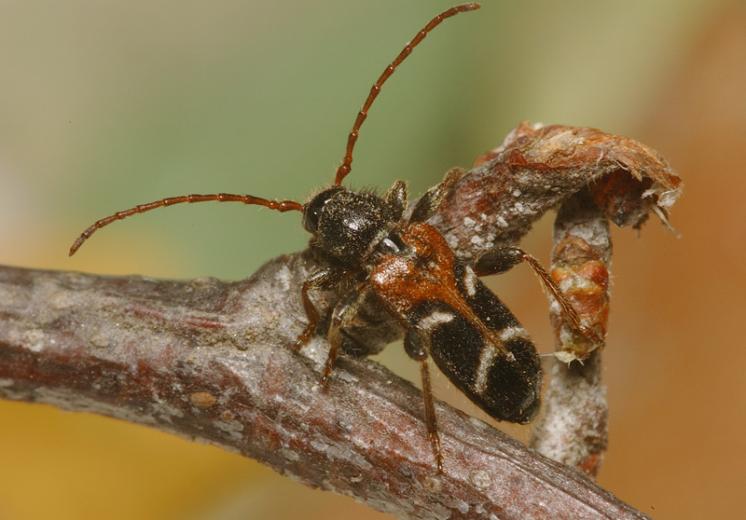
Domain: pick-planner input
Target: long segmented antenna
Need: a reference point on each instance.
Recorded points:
(278, 205)
(346, 165)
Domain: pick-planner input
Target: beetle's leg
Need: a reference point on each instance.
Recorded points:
(434, 197)
(396, 200)
(317, 279)
(430, 419)
(502, 259)
(414, 347)
(342, 315)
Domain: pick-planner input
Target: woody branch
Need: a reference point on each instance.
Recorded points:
(209, 360)
(573, 429)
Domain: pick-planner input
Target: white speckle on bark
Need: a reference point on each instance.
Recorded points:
(463, 507)
(285, 276)
(101, 339)
(432, 483)
(319, 446)
(164, 409)
(481, 479)
(234, 429)
(346, 376)
(317, 350)
(343, 454)
(34, 339)
(290, 454)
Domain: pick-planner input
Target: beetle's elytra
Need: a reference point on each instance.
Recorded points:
(448, 314)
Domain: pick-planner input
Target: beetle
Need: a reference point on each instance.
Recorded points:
(371, 244)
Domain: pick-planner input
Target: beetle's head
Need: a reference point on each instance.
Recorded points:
(345, 223)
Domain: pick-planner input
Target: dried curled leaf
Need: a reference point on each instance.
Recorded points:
(536, 168)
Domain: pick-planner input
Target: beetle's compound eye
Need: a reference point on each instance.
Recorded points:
(312, 210)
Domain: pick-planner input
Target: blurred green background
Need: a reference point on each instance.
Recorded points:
(104, 105)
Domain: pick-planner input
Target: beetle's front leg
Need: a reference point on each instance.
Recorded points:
(502, 259)
(318, 279)
(342, 316)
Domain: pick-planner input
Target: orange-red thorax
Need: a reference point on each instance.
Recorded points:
(403, 281)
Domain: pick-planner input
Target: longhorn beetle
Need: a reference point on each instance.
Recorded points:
(369, 245)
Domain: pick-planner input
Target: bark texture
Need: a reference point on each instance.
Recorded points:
(164, 354)
(209, 360)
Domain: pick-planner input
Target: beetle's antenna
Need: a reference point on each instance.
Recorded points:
(278, 205)
(346, 165)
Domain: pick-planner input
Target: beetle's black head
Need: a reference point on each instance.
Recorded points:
(345, 223)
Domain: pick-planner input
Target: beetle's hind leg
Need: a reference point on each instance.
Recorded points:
(414, 347)
(502, 259)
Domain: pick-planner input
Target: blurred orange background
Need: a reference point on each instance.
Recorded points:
(108, 104)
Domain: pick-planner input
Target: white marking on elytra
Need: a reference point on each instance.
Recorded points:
(489, 353)
(486, 358)
(428, 323)
(470, 281)
(509, 333)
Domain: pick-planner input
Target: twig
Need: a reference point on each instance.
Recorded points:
(573, 429)
(208, 359)
(163, 354)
